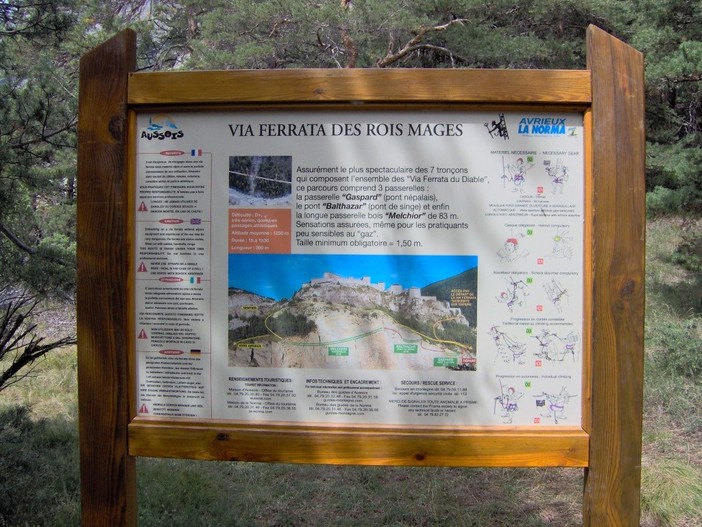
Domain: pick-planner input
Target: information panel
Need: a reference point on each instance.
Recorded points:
(383, 268)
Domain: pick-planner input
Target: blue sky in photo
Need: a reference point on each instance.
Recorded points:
(279, 276)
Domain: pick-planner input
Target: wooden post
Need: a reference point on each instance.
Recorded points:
(108, 479)
(613, 477)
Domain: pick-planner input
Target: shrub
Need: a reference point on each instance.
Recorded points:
(663, 200)
(679, 346)
(689, 253)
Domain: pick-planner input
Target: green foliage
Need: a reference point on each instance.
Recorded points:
(40, 43)
(669, 33)
(255, 326)
(689, 253)
(457, 332)
(286, 324)
(675, 167)
(678, 349)
(308, 33)
(662, 201)
(37, 145)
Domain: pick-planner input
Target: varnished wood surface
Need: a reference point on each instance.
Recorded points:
(108, 477)
(586, 399)
(612, 483)
(486, 447)
(557, 87)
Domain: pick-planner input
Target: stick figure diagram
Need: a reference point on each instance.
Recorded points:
(558, 174)
(515, 173)
(555, 404)
(514, 295)
(508, 401)
(509, 348)
(511, 250)
(555, 348)
(556, 293)
(562, 246)
(498, 128)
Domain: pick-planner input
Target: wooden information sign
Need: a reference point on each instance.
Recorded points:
(370, 267)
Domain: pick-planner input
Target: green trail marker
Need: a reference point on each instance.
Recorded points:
(338, 351)
(406, 349)
(445, 362)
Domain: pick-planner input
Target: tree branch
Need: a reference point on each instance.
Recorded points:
(28, 249)
(32, 351)
(14, 239)
(350, 46)
(44, 137)
(17, 338)
(414, 42)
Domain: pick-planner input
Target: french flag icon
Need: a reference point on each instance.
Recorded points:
(196, 152)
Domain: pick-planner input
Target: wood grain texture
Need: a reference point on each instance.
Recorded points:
(587, 275)
(612, 483)
(108, 489)
(487, 447)
(568, 87)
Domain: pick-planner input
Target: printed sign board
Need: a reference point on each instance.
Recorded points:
(390, 268)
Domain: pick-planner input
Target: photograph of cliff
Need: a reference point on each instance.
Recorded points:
(395, 313)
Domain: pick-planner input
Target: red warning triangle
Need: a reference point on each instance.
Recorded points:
(142, 335)
(142, 268)
(143, 409)
(142, 207)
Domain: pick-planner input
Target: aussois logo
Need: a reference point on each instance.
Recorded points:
(162, 127)
(542, 126)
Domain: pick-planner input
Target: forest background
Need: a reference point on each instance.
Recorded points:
(41, 42)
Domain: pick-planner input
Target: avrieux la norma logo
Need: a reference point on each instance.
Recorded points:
(162, 127)
(545, 126)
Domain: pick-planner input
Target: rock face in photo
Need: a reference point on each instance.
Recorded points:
(340, 322)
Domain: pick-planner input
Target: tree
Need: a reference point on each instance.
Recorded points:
(20, 347)
(37, 138)
(669, 32)
(40, 44)
(197, 34)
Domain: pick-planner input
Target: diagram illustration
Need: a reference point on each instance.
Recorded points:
(554, 404)
(511, 250)
(556, 348)
(562, 245)
(547, 346)
(557, 173)
(498, 128)
(514, 295)
(509, 348)
(508, 403)
(514, 174)
(557, 294)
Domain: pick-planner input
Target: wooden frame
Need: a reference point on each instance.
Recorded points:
(610, 95)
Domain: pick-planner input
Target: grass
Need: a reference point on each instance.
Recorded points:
(39, 459)
(671, 492)
(294, 495)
